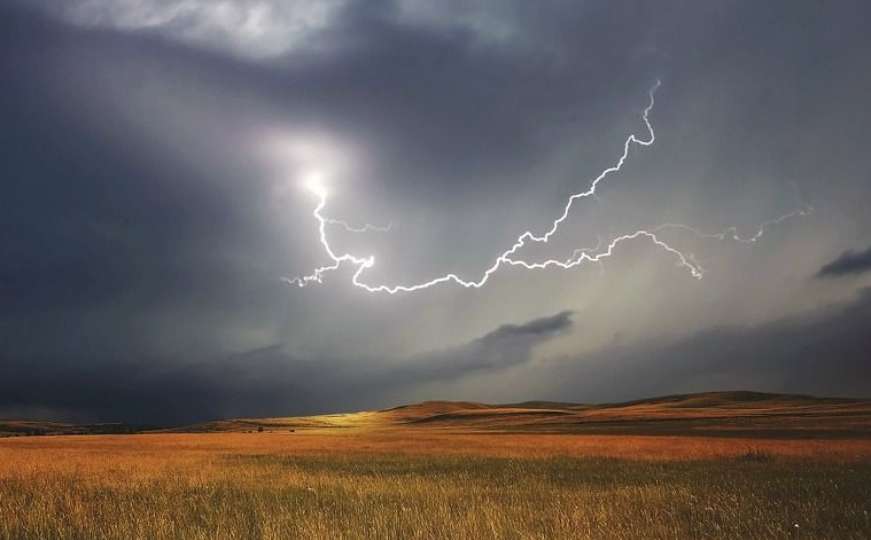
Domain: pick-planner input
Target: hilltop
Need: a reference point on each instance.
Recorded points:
(14, 428)
(718, 413)
(709, 413)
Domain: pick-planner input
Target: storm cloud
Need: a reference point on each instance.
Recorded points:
(507, 346)
(848, 263)
(822, 352)
(268, 381)
(152, 155)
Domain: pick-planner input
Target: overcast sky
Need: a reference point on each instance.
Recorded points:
(155, 155)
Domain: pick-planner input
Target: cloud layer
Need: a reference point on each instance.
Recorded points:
(249, 28)
(154, 152)
(848, 263)
(268, 381)
(823, 352)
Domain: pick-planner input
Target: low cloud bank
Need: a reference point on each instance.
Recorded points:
(848, 263)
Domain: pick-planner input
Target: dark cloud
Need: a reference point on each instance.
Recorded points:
(159, 390)
(847, 264)
(824, 352)
(263, 382)
(537, 328)
(507, 346)
(142, 238)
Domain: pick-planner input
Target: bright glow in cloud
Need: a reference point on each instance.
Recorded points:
(315, 184)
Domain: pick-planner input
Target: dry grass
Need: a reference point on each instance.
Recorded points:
(408, 483)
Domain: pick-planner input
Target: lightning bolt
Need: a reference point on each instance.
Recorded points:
(731, 233)
(361, 229)
(508, 257)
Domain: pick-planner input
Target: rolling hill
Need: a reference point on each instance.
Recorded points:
(717, 413)
(711, 413)
(14, 428)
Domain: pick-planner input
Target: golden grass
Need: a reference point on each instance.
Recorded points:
(420, 483)
(425, 442)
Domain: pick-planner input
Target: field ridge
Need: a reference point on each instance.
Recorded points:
(710, 413)
(718, 413)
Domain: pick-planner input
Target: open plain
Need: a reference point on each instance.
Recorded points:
(670, 468)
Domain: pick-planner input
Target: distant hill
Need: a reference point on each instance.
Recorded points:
(717, 413)
(21, 428)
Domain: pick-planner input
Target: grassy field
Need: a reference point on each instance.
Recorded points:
(716, 465)
(425, 483)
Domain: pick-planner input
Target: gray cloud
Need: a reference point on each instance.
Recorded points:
(143, 232)
(249, 28)
(822, 352)
(507, 346)
(266, 29)
(848, 263)
(534, 329)
(268, 381)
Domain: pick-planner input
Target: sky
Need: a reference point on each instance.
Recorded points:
(165, 165)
